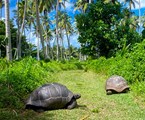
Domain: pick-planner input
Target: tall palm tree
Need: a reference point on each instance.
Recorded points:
(8, 33)
(22, 28)
(47, 33)
(65, 24)
(39, 28)
(58, 4)
(57, 52)
(18, 25)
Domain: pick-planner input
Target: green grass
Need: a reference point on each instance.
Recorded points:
(93, 105)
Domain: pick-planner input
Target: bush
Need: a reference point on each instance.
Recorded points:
(131, 65)
(101, 65)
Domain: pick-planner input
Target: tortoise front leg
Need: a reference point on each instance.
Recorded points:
(109, 92)
(72, 104)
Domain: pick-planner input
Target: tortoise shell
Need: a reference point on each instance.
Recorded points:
(49, 96)
(116, 84)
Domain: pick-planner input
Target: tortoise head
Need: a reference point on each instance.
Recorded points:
(77, 96)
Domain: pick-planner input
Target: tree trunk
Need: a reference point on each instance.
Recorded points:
(8, 33)
(22, 30)
(18, 32)
(62, 48)
(51, 51)
(39, 30)
(38, 55)
(68, 41)
(139, 18)
(57, 52)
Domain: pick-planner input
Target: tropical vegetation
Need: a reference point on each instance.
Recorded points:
(111, 43)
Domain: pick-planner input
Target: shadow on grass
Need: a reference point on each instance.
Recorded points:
(6, 114)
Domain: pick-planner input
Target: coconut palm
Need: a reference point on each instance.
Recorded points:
(47, 34)
(8, 33)
(20, 16)
(58, 3)
(65, 24)
(22, 28)
(39, 28)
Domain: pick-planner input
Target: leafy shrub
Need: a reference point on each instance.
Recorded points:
(18, 79)
(101, 65)
(131, 65)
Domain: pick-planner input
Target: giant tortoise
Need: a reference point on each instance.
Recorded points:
(116, 84)
(51, 96)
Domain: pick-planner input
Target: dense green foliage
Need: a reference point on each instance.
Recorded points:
(106, 28)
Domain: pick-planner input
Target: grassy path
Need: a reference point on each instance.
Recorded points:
(94, 103)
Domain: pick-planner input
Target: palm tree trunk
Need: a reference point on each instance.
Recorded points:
(51, 51)
(62, 48)
(18, 32)
(47, 52)
(38, 55)
(139, 17)
(57, 52)
(22, 30)
(39, 30)
(8, 33)
(68, 41)
(47, 48)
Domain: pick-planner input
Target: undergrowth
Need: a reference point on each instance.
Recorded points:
(19, 78)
